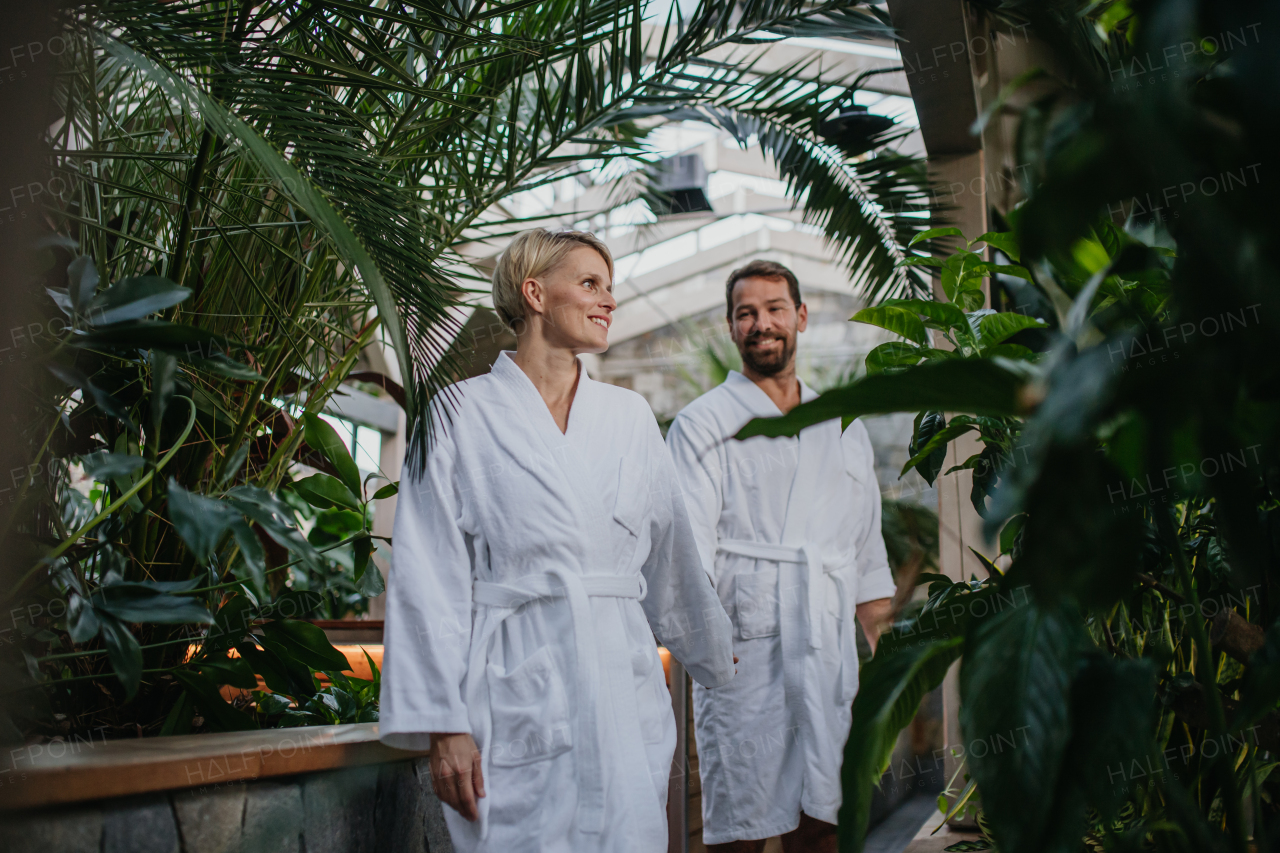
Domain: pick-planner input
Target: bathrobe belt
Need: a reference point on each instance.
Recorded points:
(810, 560)
(557, 582)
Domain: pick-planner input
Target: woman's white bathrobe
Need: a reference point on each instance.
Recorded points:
(530, 572)
(792, 527)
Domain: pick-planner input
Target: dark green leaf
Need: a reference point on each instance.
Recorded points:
(270, 704)
(133, 299)
(362, 548)
(182, 341)
(325, 492)
(306, 643)
(216, 711)
(968, 385)
(164, 372)
(928, 445)
(232, 622)
(1113, 718)
(234, 464)
(223, 365)
(123, 652)
(82, 278)
(253, 556)
(135, 602)
(281, 672)
(178, 720)
(323, 438)
(234, 671)
(293, 604)
(1009, 533)
(1015, 687)
(82, 622)
(103, 466)
(371, 584)
(986, 471)
(890, 688)
(200, 521)
(386, 491)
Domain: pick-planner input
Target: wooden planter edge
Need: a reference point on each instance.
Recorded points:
(57, 773)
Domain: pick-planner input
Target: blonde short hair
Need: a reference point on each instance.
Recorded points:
(532, 254)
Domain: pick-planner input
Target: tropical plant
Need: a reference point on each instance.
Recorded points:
(1121, 674)
(282, 197)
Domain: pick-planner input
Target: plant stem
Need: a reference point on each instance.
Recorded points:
(85, 654)
(1205, 674)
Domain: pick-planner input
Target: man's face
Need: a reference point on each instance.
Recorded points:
(764, 323)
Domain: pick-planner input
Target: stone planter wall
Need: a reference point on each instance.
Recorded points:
(237, 806)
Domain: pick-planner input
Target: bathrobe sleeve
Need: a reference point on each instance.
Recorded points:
(875, 580)
(697, 469)
(682, 606)
(428, 620)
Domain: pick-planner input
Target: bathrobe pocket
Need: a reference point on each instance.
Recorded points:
(756, 604)
(530, 712)
(631, 505)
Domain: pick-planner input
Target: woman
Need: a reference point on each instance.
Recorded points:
(536, 556)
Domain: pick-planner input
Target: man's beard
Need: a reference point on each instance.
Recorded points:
(768, 363)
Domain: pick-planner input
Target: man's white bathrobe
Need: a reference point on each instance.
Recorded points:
(530, 572)
(792, 527)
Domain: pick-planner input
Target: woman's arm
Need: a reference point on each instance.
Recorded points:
(428, 621)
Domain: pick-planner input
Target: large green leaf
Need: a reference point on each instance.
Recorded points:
(975, 386)
(938, 315)
(281, 672)
(103, 466)
(934, 234)
(1015, 694)
(306, 643)
(136, 602)
(1006, 242)
(995, 328)
(891, 355)
(1113, 719)
(133, 299)
(897, 320)
(144, 334)
(322, 437)
(200, 521)
(325, 492)
(123, 652)
(889, 692)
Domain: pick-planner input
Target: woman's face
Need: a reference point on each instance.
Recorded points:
(575, 301)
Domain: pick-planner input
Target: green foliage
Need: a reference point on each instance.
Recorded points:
(1135, 491)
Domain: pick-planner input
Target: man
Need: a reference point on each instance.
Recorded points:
(790, 528)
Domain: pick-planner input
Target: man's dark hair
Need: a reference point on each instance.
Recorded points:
(760, 269)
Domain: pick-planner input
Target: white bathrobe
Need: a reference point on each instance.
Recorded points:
(792, 528)
(530, 572)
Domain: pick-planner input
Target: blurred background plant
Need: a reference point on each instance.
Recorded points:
(1121, 660)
